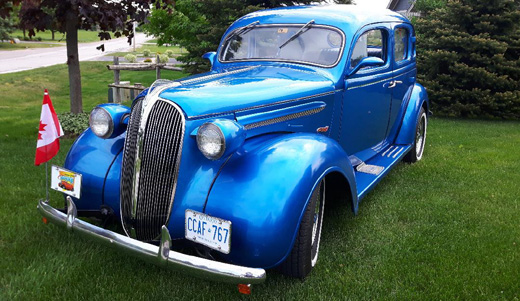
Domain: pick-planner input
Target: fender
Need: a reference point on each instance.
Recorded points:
(264, 190)
(92, 157)
(418, 98)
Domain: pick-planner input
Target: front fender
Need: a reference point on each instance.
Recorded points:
(418, 98)
(264, 190)
(92, 157)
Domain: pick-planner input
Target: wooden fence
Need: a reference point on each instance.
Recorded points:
(136, 88)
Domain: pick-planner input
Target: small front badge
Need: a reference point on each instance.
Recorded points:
(66, 181)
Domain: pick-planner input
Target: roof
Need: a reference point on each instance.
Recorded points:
(347, 17)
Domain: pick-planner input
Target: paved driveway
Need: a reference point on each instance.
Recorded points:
(19, 60)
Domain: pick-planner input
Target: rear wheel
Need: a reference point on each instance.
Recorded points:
(304, 253)
(416, 153)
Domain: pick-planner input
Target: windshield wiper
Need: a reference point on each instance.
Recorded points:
(297, 34)
(243, 30)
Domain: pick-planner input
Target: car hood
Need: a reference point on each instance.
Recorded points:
(248, 87)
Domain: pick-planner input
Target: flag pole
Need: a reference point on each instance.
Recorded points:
(47, 181)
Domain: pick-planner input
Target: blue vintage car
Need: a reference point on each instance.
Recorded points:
(225, 174)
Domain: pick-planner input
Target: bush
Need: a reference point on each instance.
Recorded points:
(169, 53)
(131, 58)
(73, 124)
(146, 52)
(163, 58)
(39, 39)
(147, 60)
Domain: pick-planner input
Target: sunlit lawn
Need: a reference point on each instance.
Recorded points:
(83, 36)
(9, 46)
(445, 228)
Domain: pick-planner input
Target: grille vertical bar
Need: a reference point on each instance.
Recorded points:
(160, 158)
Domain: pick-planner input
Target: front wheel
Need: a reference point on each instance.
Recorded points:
(416, 153)
(304, 254)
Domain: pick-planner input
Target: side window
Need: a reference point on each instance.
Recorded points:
(371, 43)
(401, 44)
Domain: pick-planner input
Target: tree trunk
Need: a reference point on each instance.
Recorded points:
(53, 31)
(71, 31)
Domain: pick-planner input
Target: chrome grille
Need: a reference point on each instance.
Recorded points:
(148, 208)
(129, 154)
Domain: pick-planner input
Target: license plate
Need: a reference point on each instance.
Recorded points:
(66, 181)
(207, 230)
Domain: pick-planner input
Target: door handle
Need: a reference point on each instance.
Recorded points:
(393, 83)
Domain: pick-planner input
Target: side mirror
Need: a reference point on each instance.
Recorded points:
(369, 61)
(210, 56)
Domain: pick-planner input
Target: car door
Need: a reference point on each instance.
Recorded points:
(404, 71)
(366, 98)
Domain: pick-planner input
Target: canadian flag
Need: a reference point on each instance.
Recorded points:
(49, 132)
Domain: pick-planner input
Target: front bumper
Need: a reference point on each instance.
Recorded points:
(160, 255)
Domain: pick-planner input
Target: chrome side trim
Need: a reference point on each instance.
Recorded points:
(283, 118)
(159, 255)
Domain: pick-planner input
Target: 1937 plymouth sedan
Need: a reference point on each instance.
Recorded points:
(302, 105)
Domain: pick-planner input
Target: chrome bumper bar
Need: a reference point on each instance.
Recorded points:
(160, 255)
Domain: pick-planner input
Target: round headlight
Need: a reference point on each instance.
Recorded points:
(101, 122)
(211, 141)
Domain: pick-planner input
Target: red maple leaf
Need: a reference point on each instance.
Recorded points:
(41, 129)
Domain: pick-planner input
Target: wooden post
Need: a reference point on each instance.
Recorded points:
(157, 68)
(117, 98)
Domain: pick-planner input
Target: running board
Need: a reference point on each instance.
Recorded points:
(369, 173)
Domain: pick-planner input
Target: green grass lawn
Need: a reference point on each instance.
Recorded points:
(83, 36)
(9, 46)
(445, 228)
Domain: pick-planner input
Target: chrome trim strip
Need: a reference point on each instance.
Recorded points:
(159, 255)
(384, 154)
(390, 154)
(283, 118)
(262, 106)
(396, 154)
(373, 83)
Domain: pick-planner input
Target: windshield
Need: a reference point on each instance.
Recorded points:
(316, 44)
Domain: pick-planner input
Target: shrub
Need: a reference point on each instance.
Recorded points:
(146, 52)
(147, 60)
(169, 53)
(39, 39)
(163, 58)
(131, 58)
(73, 124)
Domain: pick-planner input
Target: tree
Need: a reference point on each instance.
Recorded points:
(6, 19)
(468, 58)
(198, 25)
(71, 15)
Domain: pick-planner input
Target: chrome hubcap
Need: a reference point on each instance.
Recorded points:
(420, 136)
(317, 224)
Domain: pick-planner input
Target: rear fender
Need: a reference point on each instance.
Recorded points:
(418, 99)
(264, 190)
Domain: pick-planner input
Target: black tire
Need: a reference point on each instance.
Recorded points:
(304, 253)
(417, 151)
